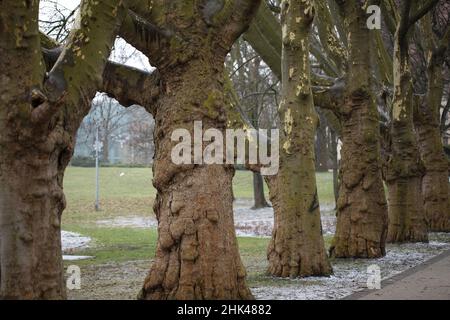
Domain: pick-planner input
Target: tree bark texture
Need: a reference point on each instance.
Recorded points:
(39, 117)
(361, 208)
(404, 169)
(435, 186)
(197, 255)
(297, 247)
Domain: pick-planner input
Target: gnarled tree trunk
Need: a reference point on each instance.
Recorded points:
(404, 169)
(39, 117)
(297, 247)
(197, 255)
(30, 198)
(361, 206)
(435, 186)
(31, 203)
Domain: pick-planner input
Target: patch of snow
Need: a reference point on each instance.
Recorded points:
(259, 223)
(71, 241)
(133, 222)
(75, 258)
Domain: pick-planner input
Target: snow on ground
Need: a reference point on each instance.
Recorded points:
(123, 280)
(350, 275)
(259, 223)
(248, 222)
(131, 222)
(75, 258)
(71, 241)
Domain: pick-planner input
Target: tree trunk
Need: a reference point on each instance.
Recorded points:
(31, 198)
(197, 255)
(258, 191)
(31, 203)
(361, 208)
(435, 187)
(404, 170)
(39, 117)
(322, 148)
(334, 157)
(435, 181)
(297, 247)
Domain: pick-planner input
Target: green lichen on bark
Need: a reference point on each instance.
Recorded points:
(297, 247)
(361, 207)
(404, 169)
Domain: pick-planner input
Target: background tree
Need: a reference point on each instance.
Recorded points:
(430, 45)
(297, 247)
(257, 90)
(361, 208)
(404, 169)
(141, 137)
(329, 47)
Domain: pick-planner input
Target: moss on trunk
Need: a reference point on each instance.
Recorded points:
(297, 247)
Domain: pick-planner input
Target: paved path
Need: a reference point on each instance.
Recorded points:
(428, 281)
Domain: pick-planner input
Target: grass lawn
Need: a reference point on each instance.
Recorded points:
(129, 192)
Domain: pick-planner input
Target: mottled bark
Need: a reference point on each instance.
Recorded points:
(38, 121)
(128, 85)
(361, 207)
(404, 169)
(197, 255)
(297, 247)
(435, 187)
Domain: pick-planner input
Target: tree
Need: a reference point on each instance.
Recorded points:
(197, 255)
(141, 137)
(39, 116)
(297, 247)
(406, 213)
(109, 117)
(255, 87)
(322, 153)
(361, 207)
(335, 82)
(435, 38)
